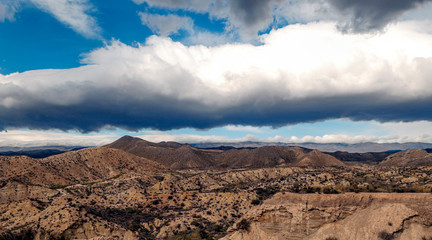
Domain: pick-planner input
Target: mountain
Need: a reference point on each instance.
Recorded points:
(412, 157)
(178, 156)
(86, 165)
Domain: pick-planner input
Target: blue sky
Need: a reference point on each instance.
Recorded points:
(215, 70)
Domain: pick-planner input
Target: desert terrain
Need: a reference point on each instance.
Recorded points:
(134, 189)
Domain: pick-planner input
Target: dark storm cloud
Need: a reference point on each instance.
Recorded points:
(372, 15)
(164, 113)
(252, 15)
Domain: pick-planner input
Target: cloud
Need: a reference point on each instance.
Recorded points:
(251, 16)
(73, 13)
(8, 10)
(372, 15)
(247, 18)
(207, 38)
(242, 128)
(34, 138)
(166, 25)
(394, 132)
(328, 138)
(300, 73)
(191, 5)
(417, 131)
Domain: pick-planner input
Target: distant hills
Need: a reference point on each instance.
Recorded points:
(184, 156)
(37, 152)
(327, 147)
(175, 155)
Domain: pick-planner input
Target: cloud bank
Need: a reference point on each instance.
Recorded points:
(393, 132)
(300, 73)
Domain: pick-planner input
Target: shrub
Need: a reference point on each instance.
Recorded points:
(328, 190)
(25, 234)
(385, 235)
(243, 225)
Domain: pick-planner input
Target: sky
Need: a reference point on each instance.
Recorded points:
(86, 72)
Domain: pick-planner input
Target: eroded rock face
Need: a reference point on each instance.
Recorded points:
(344, 216)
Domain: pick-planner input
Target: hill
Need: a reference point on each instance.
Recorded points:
(170, 154)
(90, 164)
(412, 157)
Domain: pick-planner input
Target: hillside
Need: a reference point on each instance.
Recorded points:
(177, 156)
(412, 157)
(90, 164)
(368, 157)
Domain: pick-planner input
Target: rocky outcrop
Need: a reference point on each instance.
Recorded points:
(343, 216)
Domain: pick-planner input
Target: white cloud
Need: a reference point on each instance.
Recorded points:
(328, 138)
(166, 25)
(301, 73)
(417, 131)
(396, 132)
(73, 13)
(8, 10)
(241, 128)
(34, 138)
(190, 5)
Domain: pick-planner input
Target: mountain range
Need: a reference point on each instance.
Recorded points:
(135, 189)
